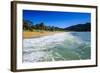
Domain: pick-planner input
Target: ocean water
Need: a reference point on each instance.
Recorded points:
(57, 47)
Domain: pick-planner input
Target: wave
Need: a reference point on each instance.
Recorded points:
(60, 46)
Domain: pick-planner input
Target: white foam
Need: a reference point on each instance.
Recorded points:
(37, 49)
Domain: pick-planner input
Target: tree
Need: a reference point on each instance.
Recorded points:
(41, 25)
(27, 25)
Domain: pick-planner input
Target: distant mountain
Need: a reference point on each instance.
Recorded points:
(79, 27)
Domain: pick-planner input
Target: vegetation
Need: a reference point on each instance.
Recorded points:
(29, 26)
(80, 27)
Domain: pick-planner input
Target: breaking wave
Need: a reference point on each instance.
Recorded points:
(57, 47)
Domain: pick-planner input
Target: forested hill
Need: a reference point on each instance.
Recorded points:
(79, 27)
(28, 25)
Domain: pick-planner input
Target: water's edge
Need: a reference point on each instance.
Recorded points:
(57, 47)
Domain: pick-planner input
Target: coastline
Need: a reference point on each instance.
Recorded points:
(28, 34)
(34, 34)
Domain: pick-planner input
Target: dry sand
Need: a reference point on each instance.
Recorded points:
(28, 34)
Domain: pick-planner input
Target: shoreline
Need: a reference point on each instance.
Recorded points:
(28, 34)
(33, 34)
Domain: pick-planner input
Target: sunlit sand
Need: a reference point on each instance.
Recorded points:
(28, 34)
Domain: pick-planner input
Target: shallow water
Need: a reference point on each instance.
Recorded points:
(57, 47)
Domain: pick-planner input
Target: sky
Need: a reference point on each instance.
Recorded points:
(55, 18)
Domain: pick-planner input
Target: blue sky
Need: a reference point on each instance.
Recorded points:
(58, 19)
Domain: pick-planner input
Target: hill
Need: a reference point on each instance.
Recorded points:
(79, 27)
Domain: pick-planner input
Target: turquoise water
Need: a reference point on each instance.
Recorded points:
(58, 47)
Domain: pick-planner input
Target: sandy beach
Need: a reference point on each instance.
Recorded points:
(28, 34)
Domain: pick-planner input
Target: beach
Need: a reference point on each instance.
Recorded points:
(57, 47)
(28, 34)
